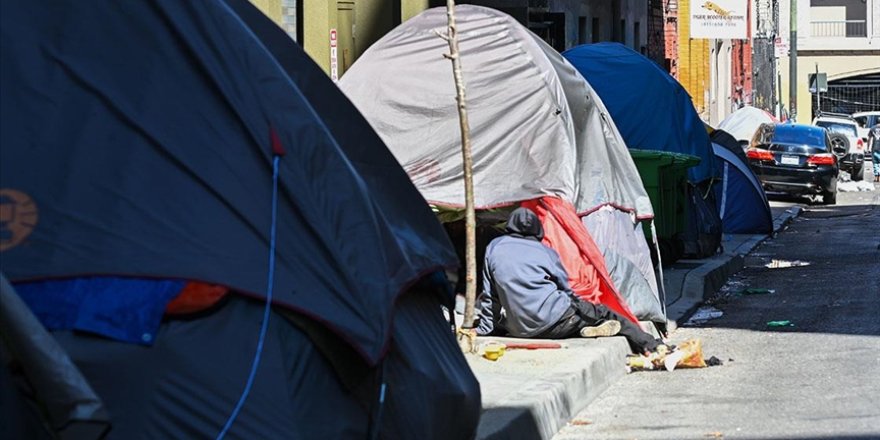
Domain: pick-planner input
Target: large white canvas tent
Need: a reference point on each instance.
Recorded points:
(537, 130)
(742, 123)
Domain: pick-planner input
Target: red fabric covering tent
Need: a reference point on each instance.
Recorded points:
(587, 274)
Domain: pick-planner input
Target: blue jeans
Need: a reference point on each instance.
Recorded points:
(876, 160)
(876, 154)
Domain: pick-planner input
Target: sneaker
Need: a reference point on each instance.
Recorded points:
(607, 328)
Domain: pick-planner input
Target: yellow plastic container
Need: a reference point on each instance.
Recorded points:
(493, 351)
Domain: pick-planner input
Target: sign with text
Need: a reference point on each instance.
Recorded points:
(780, 47)
(721, 19)
(334, 65)
(818, 82)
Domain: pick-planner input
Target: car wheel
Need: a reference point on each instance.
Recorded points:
(839, 144)
(829, 197)
(858, 173)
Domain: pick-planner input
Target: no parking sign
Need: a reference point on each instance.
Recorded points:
(334, 67)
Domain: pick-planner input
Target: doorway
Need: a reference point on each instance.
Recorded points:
(345, 26)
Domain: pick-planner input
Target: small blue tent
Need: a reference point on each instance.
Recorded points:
(741, 199)
(650, 108)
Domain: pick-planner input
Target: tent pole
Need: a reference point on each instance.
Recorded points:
(662, 282)
(466, 339)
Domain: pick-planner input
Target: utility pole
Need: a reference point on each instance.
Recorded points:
(818, 92)
(780, 101)
(792, 64)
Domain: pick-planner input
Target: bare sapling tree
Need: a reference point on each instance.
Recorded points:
(466, 337)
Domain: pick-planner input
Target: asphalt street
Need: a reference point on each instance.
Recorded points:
(816, 379)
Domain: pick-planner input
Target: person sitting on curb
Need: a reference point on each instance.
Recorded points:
(526, 292)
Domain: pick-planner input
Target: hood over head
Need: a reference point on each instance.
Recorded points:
(524, 223)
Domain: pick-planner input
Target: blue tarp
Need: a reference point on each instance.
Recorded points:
(124, 309)
(650, 108)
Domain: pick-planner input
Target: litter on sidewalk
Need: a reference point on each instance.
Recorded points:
(703, 314)
(784, 323)
(781, 264)
(688, 354)
(494, 350)
(533, 345)
(757, 291)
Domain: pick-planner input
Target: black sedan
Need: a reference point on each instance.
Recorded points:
(795, 159)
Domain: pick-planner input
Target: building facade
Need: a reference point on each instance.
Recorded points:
(694, 60)
(720, 75)
(351, 26)
(840, 38)
(335, 32)
(765, 31)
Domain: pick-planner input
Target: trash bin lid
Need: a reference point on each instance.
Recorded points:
(665, 158)
(658, 158)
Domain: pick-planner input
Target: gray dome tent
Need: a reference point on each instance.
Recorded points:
(537, 129)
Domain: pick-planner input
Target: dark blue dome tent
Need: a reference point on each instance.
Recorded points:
(653, 111)
(151, 146)
(742, 202)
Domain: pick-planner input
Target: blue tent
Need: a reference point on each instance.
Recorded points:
(742, 203)
(140, 145)
(649, 107)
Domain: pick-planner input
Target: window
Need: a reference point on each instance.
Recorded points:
(846, 129)
(622, 33)
(597, 36)
(582, 30)
(637, 36)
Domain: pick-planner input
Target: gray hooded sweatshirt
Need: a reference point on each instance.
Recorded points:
(525, 286)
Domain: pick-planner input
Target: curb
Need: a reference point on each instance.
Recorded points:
(526, 402)
(705, 280)
(782, 222)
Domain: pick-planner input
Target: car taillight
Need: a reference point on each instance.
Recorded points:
(822, 159)
(860, 145)
(759, 154)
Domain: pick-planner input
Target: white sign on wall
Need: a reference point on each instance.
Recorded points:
(334, 66)
(721, 19)
(780, 47)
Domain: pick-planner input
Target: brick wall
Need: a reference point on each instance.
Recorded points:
(670, 35)
(741, 72)
(656, 42)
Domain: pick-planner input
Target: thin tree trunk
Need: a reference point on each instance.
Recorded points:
(470, 216)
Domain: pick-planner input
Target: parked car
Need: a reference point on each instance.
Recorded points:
(865, 121)
(845, 142)
(795, 159)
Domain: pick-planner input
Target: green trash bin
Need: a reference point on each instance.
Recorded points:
(664, 175)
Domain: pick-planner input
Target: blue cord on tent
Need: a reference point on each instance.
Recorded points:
(266, 311)
(377, 421)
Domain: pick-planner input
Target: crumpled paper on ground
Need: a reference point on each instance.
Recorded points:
(688, 354)
(702, 315)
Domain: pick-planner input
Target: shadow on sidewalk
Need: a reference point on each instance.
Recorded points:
(824, 272)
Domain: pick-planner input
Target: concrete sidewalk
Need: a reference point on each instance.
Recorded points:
(532, 394)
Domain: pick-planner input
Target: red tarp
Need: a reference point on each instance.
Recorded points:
(567, 235)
